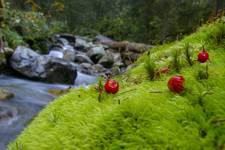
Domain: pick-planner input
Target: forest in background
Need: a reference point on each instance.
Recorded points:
(149, 21)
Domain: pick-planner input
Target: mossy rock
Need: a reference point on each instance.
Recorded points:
(5, 94)
(58, 92)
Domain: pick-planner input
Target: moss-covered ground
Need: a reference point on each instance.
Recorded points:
(144, 115)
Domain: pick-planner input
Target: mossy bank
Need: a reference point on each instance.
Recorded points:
(144, 114)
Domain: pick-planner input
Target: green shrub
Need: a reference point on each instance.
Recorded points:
(11, 38)
(28, 26)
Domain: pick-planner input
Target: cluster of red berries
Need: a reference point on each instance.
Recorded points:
(176, 83)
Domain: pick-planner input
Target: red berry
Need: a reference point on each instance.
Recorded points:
(111, 86)
(176, 84)
(203, 56)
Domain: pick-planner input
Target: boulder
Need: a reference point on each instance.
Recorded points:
(61, 41)
(85, 65)
(98, 69)
(115, 70)
(117, 59)
(96, 53)
(89, 69)
(69, 37)
(56, 54)
(86, 68)
(68, 48)
(83, 44)
(69, 55)
(66, 54)
(42, 67)
(101, 38)
(82, 58)
(107, 60)
(5, 94)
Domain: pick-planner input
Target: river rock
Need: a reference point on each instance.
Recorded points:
(43, 67)
(117, 59)
(85, 65)
(98, 69)
(59, 92)
(86, 68)
(56, 54)
(115, 70)
(61, 41)
(90, 69)
(83, 44)
(69, 55)
(66, 54)
(96, 53)
(82, 58)
(101, 38)
(107, 60)
(5, 94)
(69, 37)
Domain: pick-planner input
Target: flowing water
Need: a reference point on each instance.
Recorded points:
(30, 98)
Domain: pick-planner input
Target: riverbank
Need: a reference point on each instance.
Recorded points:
(16, 113)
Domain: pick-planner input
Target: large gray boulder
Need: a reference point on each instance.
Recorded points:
(90, 69)
(69, 37)
(96, 53)
(107, 60)
(82, 58)
(83, 44)
(41, 67)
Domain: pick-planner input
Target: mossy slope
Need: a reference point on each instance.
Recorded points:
(148, 116)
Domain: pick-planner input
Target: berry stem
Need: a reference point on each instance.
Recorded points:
(100, 97)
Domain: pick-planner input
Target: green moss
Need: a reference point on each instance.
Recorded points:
(144, 114)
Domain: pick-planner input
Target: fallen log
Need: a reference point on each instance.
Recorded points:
(127, 46)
